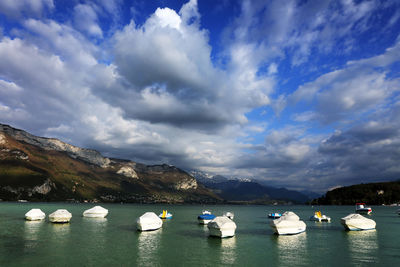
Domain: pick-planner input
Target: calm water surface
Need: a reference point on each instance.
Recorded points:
(114, 241)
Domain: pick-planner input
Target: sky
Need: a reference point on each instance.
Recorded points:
(299, 94)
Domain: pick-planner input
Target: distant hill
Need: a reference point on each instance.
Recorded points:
(372, 194)
(47, 169)
(237, 190)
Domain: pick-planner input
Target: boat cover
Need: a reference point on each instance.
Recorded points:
(149, 221)
(96, 211)
(35, 214)
(60, 215)
(222, 222)
(206, 217)
(355, 221)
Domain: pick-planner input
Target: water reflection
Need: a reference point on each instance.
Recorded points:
(32, 229)
(228, 250)
(60, 230)
(95, 221)
(363, 246)
(291, 248)
(31, 233)
(95, 231)
(148, 246)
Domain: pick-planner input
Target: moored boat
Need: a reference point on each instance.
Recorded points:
(318, 217)
(274, 215)
(148, 222)
(222, 226)
(165, 215)
(60, 216)
(288, 224)
(35, 215)
(229, 214)
(357, 222)
(206, 217)
(362, 209)
(95, 212)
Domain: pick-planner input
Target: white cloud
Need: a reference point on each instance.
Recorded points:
(162, 97)
(15, 8)
(85, 19)
(167, 63)
(359, 87)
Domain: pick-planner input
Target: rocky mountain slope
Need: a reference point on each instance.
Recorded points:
(47, 169)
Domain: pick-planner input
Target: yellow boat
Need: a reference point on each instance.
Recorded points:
(165, 215)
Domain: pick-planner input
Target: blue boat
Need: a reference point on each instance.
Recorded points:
(206, 217)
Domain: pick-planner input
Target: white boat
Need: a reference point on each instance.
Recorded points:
(222, 226)
(288, 224)
(95, 212)
(60, 216)
(148, 222)
(318, 217)
(35, 215)
(229, 214)
(357, 222)
(362, 209)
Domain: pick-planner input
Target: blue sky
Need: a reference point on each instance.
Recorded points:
(301, 94)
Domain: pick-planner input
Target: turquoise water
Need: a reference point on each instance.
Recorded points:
(114, 241)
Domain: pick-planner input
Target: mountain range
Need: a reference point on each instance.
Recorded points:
(247, 190)
(47, 169)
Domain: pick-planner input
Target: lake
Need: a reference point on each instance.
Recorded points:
(114, 241)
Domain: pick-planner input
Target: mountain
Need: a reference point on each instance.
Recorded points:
(371, 193)
(310, 194)
(206, 178)
(248, 190)
(47, 169)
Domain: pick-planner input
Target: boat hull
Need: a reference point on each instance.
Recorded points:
(95, 215)
(316, 219)
(222, 232)
(34, 218)
(289, 230)
(274, 215)
(204, 221)
(59, 219)
(148, 226)
(167, 216)
(205, 218)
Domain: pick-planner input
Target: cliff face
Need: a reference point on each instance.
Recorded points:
(38, 168)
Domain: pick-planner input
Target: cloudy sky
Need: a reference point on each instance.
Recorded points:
(301, 94)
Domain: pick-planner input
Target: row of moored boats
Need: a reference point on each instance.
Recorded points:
(287, 223)
(63, 215)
